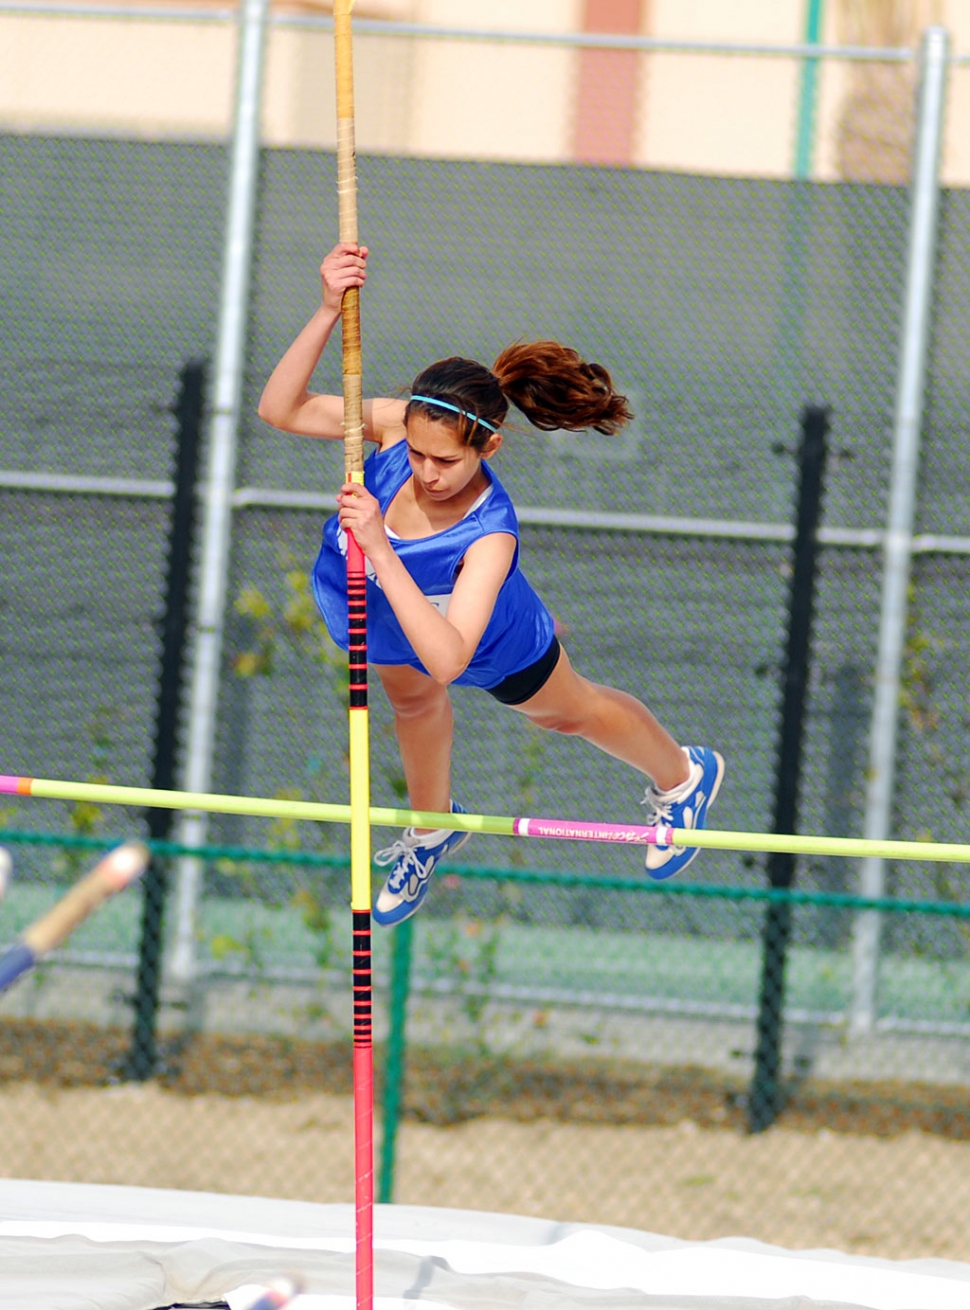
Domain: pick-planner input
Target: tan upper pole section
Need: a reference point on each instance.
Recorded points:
(347, 203)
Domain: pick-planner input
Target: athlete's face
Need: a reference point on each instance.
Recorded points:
(442, 466)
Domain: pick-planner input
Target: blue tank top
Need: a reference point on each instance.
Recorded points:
(520, 630)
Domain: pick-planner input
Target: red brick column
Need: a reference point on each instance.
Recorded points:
(607, 92)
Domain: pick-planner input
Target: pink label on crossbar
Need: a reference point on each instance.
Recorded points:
(580, 830)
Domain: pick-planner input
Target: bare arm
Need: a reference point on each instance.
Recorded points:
(287, 403)
(444, 644)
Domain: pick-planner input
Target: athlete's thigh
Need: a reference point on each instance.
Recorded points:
(564, 694)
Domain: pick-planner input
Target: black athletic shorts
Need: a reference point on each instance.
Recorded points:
(520, 687)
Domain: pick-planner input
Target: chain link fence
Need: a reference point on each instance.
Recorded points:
(556, 1039)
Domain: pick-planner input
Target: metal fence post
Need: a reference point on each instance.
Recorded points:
(765, 1099)
(897, 556)
(143, 1054)
(219, 485)
(394, 1065)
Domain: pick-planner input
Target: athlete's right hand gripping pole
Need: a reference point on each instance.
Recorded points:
(360, 891)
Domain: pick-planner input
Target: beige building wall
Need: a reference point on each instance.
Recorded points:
(299, 94)
(439, 97)
(738, 109)
(134, 78)
(494, 101)
(459, 99)
(956, 167)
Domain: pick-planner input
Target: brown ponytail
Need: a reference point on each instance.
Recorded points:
(555, 387)
(551, 384)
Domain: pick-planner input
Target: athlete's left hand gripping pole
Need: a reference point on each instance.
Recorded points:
(360, 890)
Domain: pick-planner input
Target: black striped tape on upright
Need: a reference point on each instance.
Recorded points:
(357, 634)
(362, 981)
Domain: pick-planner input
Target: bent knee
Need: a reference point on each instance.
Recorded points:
(419, 706)
(414, 694)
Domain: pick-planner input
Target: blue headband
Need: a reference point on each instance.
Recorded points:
(446, 404)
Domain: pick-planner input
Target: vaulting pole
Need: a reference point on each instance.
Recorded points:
(360, 891)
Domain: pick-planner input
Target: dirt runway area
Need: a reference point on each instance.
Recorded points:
(903, 1197)
(668, 1154)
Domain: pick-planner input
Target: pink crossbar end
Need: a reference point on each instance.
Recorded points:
(11, 786)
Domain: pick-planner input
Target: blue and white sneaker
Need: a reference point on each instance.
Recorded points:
(415, 857)
(683, 807)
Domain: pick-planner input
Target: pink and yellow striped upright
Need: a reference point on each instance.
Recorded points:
(360, 889)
